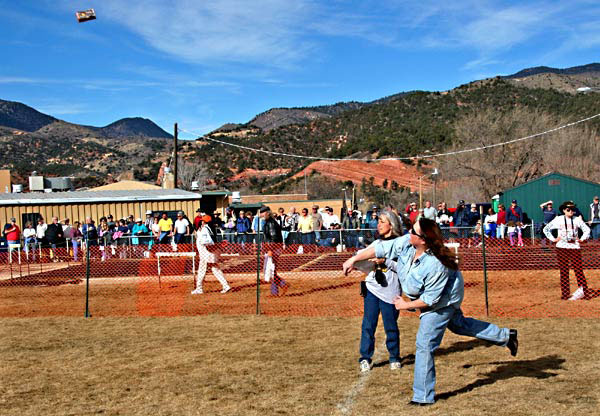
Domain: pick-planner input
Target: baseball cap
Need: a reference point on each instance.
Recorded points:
(264, 208)
(138, 219)
(514, 201)
(149, 212)
(461, 202)
(198, 210)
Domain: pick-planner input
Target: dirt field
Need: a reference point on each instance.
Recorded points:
(248, 365)
(519, 294)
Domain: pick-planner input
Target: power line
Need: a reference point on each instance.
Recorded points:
(427, 156)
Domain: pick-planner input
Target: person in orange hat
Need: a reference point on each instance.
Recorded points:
(204, 239)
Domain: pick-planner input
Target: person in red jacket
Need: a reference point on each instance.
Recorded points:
(12, 233)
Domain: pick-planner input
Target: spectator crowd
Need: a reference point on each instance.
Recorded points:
(310, 227)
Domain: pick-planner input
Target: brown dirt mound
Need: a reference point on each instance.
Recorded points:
(353, 170)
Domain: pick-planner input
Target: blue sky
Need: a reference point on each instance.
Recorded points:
(205, 63)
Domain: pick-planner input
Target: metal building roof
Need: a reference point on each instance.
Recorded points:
(83, 197)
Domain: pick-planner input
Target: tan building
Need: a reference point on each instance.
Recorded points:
(78, 205)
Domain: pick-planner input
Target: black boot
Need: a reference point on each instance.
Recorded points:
(513, 342)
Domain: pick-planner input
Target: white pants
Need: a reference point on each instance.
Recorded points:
(205, 257)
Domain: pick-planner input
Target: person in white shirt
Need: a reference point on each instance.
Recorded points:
(40, 231)
(29, 238)
(204, 238)
(181, 228)
(429, 211)
(568, 251)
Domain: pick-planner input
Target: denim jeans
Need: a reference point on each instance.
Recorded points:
(500, 230)
(352, 239)
(373, 306)
(429, 337)
(595, 226)
(308, 238)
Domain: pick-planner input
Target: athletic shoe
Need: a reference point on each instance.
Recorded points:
(513, 342)
(365, 366)
(578, 294)
(197, 292)
(226, 289)
(395, 366)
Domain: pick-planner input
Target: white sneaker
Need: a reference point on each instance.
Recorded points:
(365, 366)
(226, 289)
(197, 292)
(578, 294)
(395, 366)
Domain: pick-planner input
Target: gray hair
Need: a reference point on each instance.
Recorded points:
(395, 222)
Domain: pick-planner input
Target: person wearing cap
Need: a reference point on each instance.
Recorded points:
(549, 214)
(204, 239)
(273, 241)
(514, 213)
(149, 220)
(111, 223)
(181, 227)
(317, 220)
(198, 219)
(595, 218)
(11, 232)
(568, 251)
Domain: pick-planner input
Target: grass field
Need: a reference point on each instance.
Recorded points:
(248, 365)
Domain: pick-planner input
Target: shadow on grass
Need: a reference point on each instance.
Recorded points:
(456, 347)
(539, 368)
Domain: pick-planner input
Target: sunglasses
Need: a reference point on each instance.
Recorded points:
(413, 232)
(569, 209)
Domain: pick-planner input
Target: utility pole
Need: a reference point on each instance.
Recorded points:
(175, 155)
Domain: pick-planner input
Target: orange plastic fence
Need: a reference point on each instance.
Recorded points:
(162, 280)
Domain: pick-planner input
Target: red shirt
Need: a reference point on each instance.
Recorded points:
(197, 222)
(413, 216)
(13, 235)
(501, 218)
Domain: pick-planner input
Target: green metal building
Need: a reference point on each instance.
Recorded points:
(555, 187)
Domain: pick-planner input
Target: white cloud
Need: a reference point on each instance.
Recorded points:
(265, 31)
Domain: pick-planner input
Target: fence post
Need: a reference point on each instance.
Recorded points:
(87, 276)
(485, 281)
(532, 232)
(258, 243)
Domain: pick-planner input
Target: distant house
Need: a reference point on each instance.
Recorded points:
(553, 186)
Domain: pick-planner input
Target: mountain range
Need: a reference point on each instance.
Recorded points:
(402, 124)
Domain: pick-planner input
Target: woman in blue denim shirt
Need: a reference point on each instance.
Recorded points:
(430, 278)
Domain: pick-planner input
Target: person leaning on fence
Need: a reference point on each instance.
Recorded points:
(11, 232)
(595, 218)
(204, 239)
(351, 227)
(181, 227)
(430, 279)
(29, 238)
(273, 239)
(305, 227)
(166, 229)
(571, 230)
(55, 237)
(379, 290)
(76, 236)
(461, 219)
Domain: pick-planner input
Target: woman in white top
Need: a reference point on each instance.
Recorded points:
(568, 251)
(203, 239)
(379, 290)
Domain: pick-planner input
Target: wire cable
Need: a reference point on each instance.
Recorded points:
(427, 156)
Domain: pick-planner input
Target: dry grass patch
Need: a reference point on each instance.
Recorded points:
(234, 365)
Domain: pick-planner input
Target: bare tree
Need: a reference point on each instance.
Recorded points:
(189, 172)
(480, 174)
